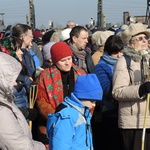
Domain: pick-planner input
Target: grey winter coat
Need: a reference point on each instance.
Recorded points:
(15, 133)
(131, 106)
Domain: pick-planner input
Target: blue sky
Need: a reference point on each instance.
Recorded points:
(60, 11)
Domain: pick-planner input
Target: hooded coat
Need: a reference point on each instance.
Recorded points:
(15, 133)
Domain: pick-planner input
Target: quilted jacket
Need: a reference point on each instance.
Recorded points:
(15, 133)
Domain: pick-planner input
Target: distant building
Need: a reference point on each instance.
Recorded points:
(127, 18)
(2, 26)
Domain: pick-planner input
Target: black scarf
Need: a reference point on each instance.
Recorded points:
(68, 82)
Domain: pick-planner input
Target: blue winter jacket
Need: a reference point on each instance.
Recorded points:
(104, 71)
(21, 97)
(70, 129)
(30, 61)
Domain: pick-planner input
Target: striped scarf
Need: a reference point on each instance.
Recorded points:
(80, 56)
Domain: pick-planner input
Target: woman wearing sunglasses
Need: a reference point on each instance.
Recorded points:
(129, 89)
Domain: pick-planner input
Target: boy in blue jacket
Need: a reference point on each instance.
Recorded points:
(70, 128)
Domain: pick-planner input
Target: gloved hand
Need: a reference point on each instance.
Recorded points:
(144, 89)
(21, 78)
(19, 86)
(32, 114)
(33, 83)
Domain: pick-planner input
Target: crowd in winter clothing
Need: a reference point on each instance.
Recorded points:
(72, 88)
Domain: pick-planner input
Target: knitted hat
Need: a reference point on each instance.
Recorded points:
(132, 30)
(123, 27)
(87, 87)
(46, 50)
(37, 34)
(95, 36)
(103, 37)
(59, 51)
(65, 34)
(47, 36)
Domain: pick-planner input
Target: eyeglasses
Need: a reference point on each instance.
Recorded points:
(31, 36)
(141, 38)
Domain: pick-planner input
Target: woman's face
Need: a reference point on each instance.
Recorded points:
(27, 39)
(140, 42)
(65, 64)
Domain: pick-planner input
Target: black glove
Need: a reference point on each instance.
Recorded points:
(144, 89)
(21, 78)
(33, 83)
(32, 114)
(19, 86)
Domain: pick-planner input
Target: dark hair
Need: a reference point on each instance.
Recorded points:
(76, 32)
(17, 42)
(20, 29)
(113, 45)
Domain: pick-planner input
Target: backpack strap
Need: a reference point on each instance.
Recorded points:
(3, 104)
(89, 62)
(35, 58)
(128, 63)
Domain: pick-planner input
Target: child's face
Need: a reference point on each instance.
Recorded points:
(89, 104)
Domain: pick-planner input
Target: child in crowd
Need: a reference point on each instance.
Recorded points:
(69, 127)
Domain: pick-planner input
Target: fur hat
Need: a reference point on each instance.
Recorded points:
(132, 30)
(87, 87)
(65, 34)
(60, 50)
(46, 50)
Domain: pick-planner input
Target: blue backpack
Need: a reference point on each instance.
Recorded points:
(35, 58)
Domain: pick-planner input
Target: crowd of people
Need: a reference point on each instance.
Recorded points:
(74, 88)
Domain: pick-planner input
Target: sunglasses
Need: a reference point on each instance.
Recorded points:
(141, 38)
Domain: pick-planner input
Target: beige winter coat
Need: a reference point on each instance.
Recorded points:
(131, 107)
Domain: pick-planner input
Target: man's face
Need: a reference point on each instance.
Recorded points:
(71, 25)
(81, 41)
